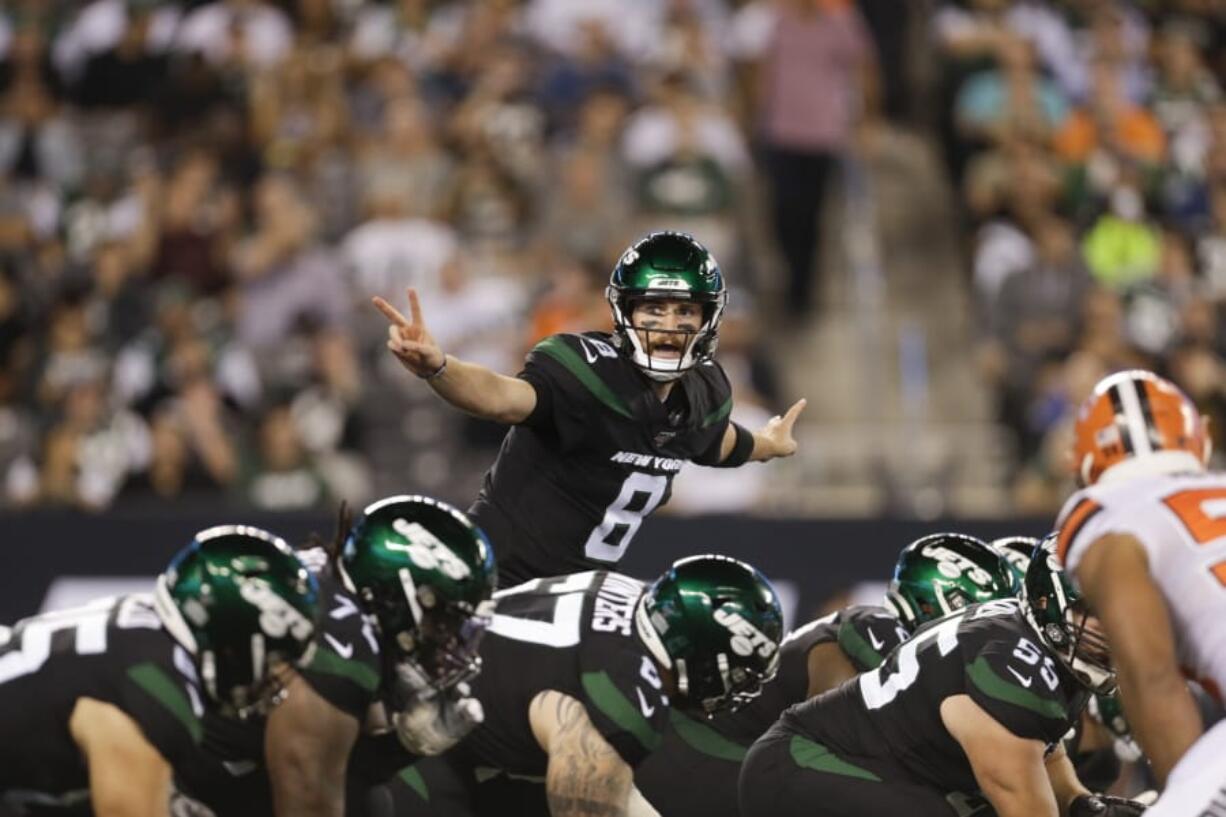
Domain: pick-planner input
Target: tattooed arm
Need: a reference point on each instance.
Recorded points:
(586, 777)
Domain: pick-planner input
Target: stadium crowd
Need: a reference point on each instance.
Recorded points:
(1088, 140)
(198, 199)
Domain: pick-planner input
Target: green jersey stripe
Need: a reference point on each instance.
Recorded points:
(619, 709)
(857, 649)
(413, 779)
(328, 662)
(163, 689)
(557, 349)
(705, 740)
(989, 683)
(719, 414)
(809, 754)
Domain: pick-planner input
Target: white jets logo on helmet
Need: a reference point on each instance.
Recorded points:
(277, 616)
(427, 551)
(952, 564)
(746, 638)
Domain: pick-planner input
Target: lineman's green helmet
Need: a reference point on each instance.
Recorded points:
(426, 573)
(1018, 551)
(239, 600)
(943, 572)
(1056, 610)
(716, 623)
(667, 266)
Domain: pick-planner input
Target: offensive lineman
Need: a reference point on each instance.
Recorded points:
(405, 599)
(976, 701)
(1146, 542)
(601, 423)
(103, 702)
(581, 674)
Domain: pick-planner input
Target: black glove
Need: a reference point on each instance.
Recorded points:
(1103, 805)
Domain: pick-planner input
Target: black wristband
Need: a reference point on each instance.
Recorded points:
(741, 451)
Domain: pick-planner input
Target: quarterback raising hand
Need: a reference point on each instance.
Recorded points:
(602, 422)
(409, 340)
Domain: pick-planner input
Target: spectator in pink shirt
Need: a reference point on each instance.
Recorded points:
(811, 91)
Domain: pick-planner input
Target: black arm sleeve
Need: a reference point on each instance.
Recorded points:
(740, 451)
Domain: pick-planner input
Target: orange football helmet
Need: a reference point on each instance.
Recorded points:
(1132, 416)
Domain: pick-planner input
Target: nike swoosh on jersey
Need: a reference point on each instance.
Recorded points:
(343, 650)
(872, 636)
(648, 709)
(1024, 680)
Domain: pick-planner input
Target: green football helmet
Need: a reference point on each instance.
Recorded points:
(716, 623)
(943, 572)
(1017, 550)
(1057, 612)
(426, 573)
(667, 266)
(240, 602)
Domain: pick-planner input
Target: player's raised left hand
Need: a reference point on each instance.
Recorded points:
(777, 433)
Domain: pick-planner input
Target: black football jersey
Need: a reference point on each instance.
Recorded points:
(574, 634)
(712, 749)
(113, 650)
(987, 651)
(574, 481)
(346, 670)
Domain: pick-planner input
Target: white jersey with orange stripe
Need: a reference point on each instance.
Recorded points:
(1180, 521)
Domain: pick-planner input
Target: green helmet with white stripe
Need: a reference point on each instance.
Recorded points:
(240, 602)
(426, 573)
(943, 572)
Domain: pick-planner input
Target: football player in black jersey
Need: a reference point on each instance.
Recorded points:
(601, 423)
(1102, 740)
(100, 703)
(976, 701)
(405, 599)
(581, 673)
(812, 659)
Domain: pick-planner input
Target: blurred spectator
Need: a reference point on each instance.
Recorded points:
(1110, 126)
(1033, 320)
(1011, 101)
(404, 165)
(284, 276)
(283, 478)
(196, 213)
(1123, 246)
(815, 74)
(124, 48)
(689, 159)
(237, 33)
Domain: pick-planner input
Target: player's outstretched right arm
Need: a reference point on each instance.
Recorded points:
(586, 777)
(1009, 769)
(128, 777)
(467, 386)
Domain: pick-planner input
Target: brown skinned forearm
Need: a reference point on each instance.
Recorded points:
(1114, 575)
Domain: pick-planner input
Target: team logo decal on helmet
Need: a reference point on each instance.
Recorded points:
(1136, 422)
(717, 624)
(666, 266)
(427, 574)
(240, 602)
(943, 572)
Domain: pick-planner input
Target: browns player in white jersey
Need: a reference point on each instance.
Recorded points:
(1146, 541)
